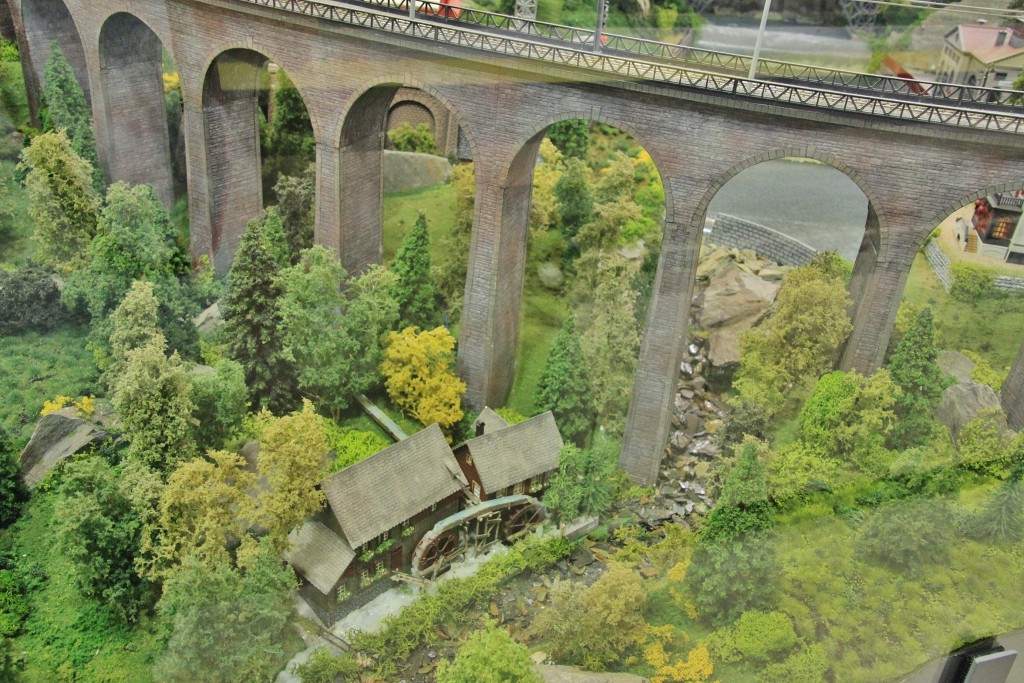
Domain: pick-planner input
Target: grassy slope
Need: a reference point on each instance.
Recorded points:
(35, 367)
(68, 637)
(990, 327)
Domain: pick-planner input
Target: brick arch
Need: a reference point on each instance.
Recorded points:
(134, 139)
(158, 28)
(412, 105)
(45, 21)
(398, 81)
(539, 128)
(875, 203)
(269, 55)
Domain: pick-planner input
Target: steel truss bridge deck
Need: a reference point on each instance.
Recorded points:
(635, 58)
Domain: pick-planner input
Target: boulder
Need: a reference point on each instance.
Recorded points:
(734, 301)
(962, 402)
(550, 275)
(412, 170)
(567, 674)
(57, 436)
(210, 319)
(956, 365)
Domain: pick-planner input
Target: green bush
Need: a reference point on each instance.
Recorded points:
(405, 138)
(324, 667)
(14, 605)
(29, 299)
(806, 666)
(351, 445)
(489, 656)
(984, 444)
(220, 399)
(585, 483)
(984, 373)
(971, 281)
(905, 534)
(763, 636)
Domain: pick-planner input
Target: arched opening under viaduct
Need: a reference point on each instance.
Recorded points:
(47, 22)
(582, 219)
(137, 111)
(236, 104)
(369, 232)
(969, 276)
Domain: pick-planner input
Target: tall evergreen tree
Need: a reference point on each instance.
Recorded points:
(1002, 518)
(564, 387)
(62, 201)
(415, 291)
(915, 370)
(252, 322)
(296, 197)
(69, 110)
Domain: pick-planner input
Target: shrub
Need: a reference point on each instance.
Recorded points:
(762, 636)
(405, 138)
(13, 493)
(984, 444)
(489, 656)
(984, 373)
(971, 281)
(220, 400)
(585, 483)
(907, 533)
(806, 666)
(14, 606)
(351, 445)
(29, 299)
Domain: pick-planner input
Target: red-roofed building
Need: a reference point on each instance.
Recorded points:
(982, 55)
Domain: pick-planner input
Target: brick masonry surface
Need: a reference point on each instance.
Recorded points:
(913, 174)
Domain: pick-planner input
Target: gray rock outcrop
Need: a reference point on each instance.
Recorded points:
(956, 365)
(412, 170)
(210, 319)
(568, 674)
(962, 402)
(550, 275)
(734, 301)
(57, 436)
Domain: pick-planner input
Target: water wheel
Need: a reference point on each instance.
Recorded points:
(438, 552)
(522, 519)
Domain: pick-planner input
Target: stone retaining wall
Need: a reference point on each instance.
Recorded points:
(940, 263)
(729, 231)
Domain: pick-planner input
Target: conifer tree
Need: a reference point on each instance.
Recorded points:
(277, 241)
(252, 322)
(69, 110)
(62, 201)
(296, 197)
(564, 387)
(1002, 518)
(415, 291)
(915, 370)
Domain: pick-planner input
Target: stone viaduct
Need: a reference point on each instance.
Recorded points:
(913, 174)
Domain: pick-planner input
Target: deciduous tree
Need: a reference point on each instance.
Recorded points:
(575, 202)
(450, 269)
(296, 198)
(565, 389)
(418, 374)
(99, 532)
(151, 397)
(292, 460)
(133, 324)
(220, 399)
(571, 137)
(226, 625)
(62, 201)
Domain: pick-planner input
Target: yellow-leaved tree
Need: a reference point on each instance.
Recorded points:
(292, 461)
(418, 375)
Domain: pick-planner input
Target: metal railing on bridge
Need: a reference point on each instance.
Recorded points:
(570, 47)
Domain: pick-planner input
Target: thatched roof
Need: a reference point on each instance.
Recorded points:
(391, 486)
(319, 554)
(517, 452)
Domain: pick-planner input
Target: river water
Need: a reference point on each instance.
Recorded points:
(812, 202)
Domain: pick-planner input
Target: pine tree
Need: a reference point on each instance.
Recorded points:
(62, 201)
(415, 291)
(277, 241)
(914, 369)
(1002, 519)
(69, 110)
(564, 387)
(252, 322)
